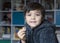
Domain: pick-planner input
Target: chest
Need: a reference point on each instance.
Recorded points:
(36, 36)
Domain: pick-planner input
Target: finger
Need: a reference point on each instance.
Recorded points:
(20, 33)
(22, 36)
(23, 29)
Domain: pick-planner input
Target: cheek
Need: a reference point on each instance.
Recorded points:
(26, 19)
(39, 19)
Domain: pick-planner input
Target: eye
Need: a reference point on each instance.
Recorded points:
(37, 14)
(28, 14)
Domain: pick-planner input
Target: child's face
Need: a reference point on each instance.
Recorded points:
(33, 18)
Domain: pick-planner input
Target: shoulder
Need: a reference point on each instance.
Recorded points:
(47, 26)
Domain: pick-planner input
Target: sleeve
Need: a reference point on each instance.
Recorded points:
(20, 41)
(48, 36)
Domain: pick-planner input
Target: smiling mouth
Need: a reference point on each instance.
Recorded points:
(32, 21)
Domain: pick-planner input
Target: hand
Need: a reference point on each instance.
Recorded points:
(22, 33)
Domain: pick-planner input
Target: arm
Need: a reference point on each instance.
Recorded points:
(22, 41)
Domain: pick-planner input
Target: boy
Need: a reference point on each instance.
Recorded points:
(37, 29)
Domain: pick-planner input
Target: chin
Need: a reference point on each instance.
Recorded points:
(33, 26)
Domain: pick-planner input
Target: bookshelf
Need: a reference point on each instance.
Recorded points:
(12, 17)
(5, 21)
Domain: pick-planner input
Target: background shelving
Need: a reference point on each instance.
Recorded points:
(5, 27)
(18, 5)
(57, 18)
(5, 18)
(18, 18)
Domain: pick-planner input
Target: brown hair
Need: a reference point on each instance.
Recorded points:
(35, 6)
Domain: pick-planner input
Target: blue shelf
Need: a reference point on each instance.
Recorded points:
(57, 18)
(18, 18)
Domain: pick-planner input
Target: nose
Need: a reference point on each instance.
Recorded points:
(33, 17)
